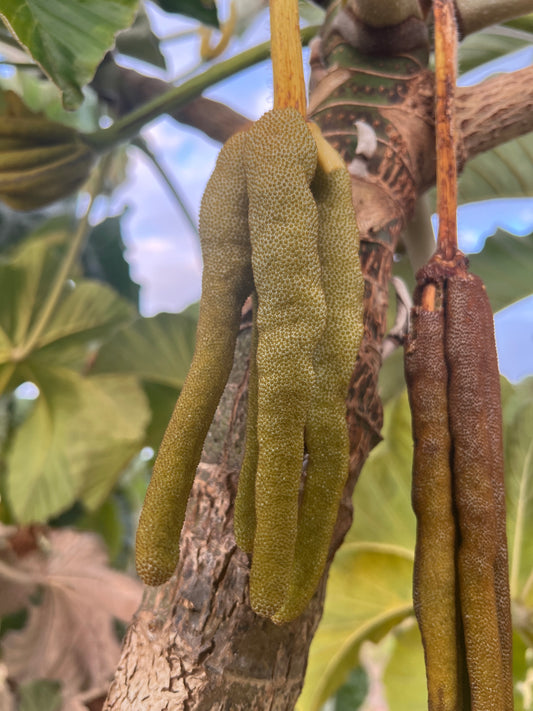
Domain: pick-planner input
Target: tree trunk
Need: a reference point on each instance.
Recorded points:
(195, 644)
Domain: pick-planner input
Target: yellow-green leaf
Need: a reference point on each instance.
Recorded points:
(369, 593)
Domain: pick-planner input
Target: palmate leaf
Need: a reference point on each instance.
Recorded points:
(486, 46)
(202, 10)
(503, 172)
(405, 676)
(68, 38)
(157, 349)
(505, 264)
(70, 633)
(369, 593)
(86, 311)
(75, 442)
(81, 432)
(139, 41)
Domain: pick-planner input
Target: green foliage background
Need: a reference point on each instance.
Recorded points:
(107, 377)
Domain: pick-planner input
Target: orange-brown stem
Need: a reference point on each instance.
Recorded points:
(445, 80)
(286, 50)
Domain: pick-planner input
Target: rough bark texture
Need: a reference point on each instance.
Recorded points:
(195, 644)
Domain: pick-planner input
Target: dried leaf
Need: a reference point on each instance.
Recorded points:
(70, 634)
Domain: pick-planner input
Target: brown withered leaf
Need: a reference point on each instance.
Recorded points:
(70, 633)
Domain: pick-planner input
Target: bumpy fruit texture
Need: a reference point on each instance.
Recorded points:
(461, 589)
(227, 281)
(326, 434)
(280, 160)
(244, 518)
(435, 586)
(476, 429)
(274, 224)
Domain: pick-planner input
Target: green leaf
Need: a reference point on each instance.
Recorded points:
(382, 497)
(405, 674)
(87, 310)
(162, 400)
(505, 171)
(380, 543)
(369, 593)
(518, 424)
(68, 38)
(203, 10)
(107, 522)
(351, 695)
(485, 46)
(103, 259)
(524, 23)
(505, 265)
(522, 674)
(86, 430)
(391, 376)
(140, 42)
(157, 349)
(40, 695)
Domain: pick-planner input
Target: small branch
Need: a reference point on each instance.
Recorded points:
(445, 81)
(493, 112)
(176, 98)
(474, 15)
(125, 90)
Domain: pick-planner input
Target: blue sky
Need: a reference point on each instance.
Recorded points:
(162, 248)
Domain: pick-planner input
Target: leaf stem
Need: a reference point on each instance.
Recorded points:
(129, 126)
(64, 269)
(445, 83)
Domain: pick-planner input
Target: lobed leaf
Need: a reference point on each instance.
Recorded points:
(68, 38)
(202, 10)
(157, 349)
(86, 436)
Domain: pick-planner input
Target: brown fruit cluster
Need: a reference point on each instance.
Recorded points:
(461, 590)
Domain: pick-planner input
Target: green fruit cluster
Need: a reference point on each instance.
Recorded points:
(276, 220)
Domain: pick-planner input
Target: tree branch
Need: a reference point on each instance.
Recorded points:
(493, 112)
(474, 15)
(125, 90)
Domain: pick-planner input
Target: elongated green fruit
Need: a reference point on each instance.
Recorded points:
(435, 586)
(227, 281)
(326, 433)
(244, 519)
(280, 159)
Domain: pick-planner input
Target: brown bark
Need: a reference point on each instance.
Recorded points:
(125, 90)
(493, 112)
(195, 644)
